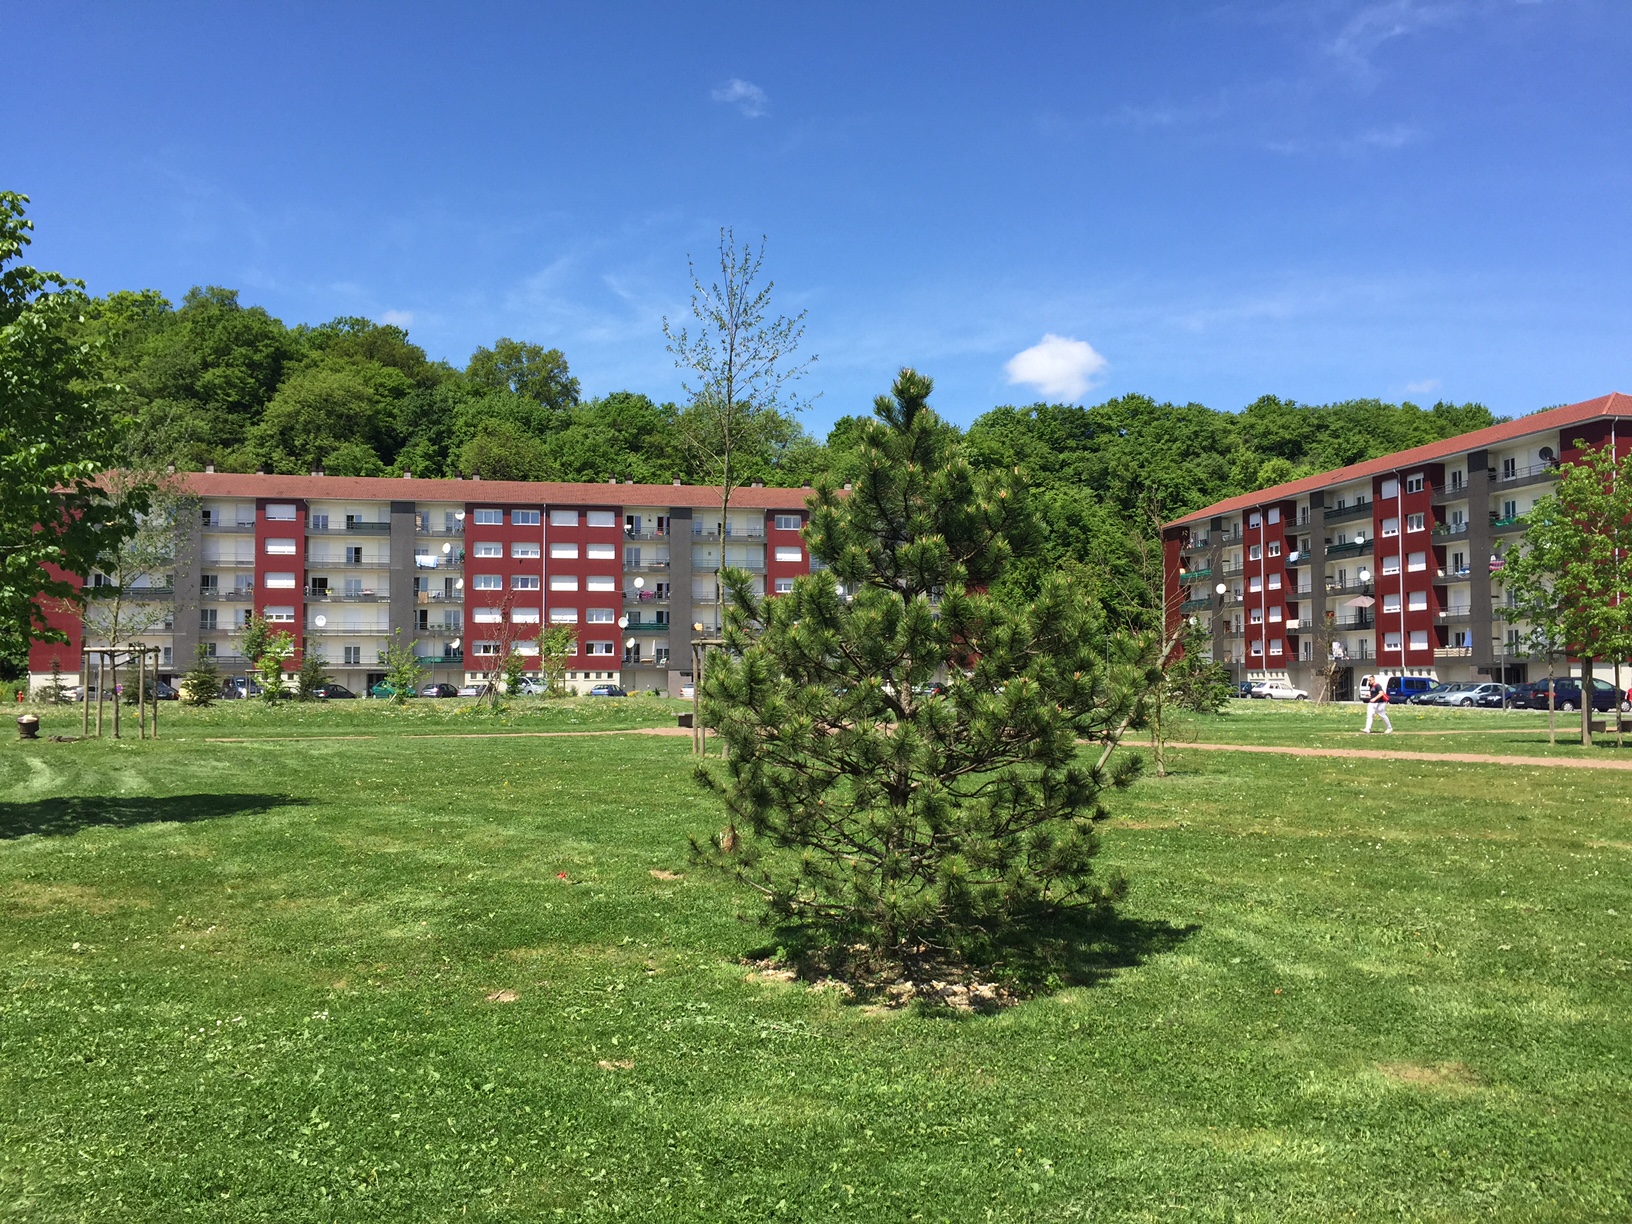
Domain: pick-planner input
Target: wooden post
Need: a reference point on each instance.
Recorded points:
(84, 693)
(141, 695)
(113, 666)
(101, 691)
(155, 694)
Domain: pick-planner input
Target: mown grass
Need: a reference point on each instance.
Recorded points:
(267, 980)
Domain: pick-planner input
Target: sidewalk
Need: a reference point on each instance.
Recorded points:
(1382, 754)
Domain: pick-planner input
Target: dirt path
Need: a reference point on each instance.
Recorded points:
(258, 739)
(1383, 754)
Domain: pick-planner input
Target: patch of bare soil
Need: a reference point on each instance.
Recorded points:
(1449, 1075)
(616, 1064)
(921, 980)
(658, 873)
(502, 996)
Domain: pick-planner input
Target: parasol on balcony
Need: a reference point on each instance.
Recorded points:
(1360, 601)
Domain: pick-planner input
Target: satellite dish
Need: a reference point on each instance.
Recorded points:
(454, 644)
(623, 622)
(446, 549)
(460, 515)
(639, 583)
(1359, 537)
(459, 585)
(320, 621)
(1546, 454)
(630, 643)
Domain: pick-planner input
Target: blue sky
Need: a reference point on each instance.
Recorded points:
(1406, 199)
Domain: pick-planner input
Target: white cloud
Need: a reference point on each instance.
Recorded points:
(1057, 366)
(1424, 386)
(749, 98)
(398, 318)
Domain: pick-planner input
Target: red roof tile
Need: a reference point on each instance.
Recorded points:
(504, 492)
(1612, 405)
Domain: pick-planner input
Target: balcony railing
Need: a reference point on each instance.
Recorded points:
(344, 528)
(243, 528)
(645, 565)
(1196, 575)
(326, 595)
(1528, 474)
(227, 562)
(457, 656)
(243, 593)
(630, 533)
(1301, 558)
(1450, 529)
(377, 629)
(1229, 571)
(1342, 514)
(1512, 523)
(647, 627)
(1195, 605)
(1453, 652)
(1354, 548)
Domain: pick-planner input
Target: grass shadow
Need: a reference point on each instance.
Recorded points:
(63, 817)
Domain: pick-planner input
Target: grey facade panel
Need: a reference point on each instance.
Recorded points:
(189, 578)
(680, 615)
(403, 525)
(1480, 619)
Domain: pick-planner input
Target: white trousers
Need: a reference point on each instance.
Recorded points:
(1377, 709)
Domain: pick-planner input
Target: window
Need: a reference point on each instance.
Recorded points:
(354, 555)
(280, 582)
(487, 548)
(486, 616)
(486, 582)
(207, 618)
(1419, 639)
(526, 648)
(602, 552)
(1255, 521)
(1510, 510)
(563, 616)
(600, 616)
(524, 518)
(1275, 613)
(1257, 648)
(563, 582)
(209, 650)
(1457, 479)
(1391, 526)
(601, 582)
(563, 552)
(1275, 514)
(1417, 561)
(318, 522)
(354, 586)
(790, 555)
(1276, 646)
(1459, 563)
(563, 518)
(210, 583)
(489, 518)
(1274, 582)
(788, 522)
(598, 648)
(1416, 601)
(524, 582)
(1255, 584)
(245, 514)
(1414, 522)
(524, 616)
(784, 586)
(212, 518)
(1391, 488)
(1255, 552)
(1391, 641)
(279, 615)
(1413, 483)
(487, 648)
(1391, 565)
(660, 655)
(1256, 616)
(281, 512)
(527, 552)
(1391, 603)
(1510, 468)
(601, 518)
(1274, 548)
(280, 548)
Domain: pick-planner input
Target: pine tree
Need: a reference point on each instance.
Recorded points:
(902, 747)
(312, 673)
(202, 683)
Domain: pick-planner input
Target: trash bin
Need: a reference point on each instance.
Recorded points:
(28, 726)
(685, 719)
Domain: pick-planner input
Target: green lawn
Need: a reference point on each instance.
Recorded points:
(265, 980)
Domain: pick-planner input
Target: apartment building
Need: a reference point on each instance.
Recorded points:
(458, 569)
(1392, 566)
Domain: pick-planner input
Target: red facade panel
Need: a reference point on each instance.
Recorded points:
(504, 571)
(595, 537)
(271, 566)
(783, 533)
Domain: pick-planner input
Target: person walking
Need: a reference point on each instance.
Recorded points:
(1377, 704)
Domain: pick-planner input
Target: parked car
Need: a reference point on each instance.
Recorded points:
(387, 691)
(1403, 688)
(439, 690)
(1278, 690)
(473, 690)
(1492, 697)
(1466, 694)
(533, 686)
(1567, 695)
(160, 691)
(236, 687)
(607, 690)
(1439, 694)
(333, 692)
(1244, 689)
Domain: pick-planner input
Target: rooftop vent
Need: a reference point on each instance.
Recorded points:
(407, 475)
(260, 471)
(209, 467)
(475, 475)
(677, 484)
(759, 484)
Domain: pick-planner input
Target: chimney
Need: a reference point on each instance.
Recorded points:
(611, 480)
(847, 486)
(458, 477)
(260, 471)
(806, 485)
(407, 475)
(209, 467)
(475, 475)
(676, 483)
(170, 468)
(759, 484)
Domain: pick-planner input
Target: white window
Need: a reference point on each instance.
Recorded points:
(1274, 548)
(563, 518)
(598, 648)
(351, 656)
(524, 616)
(788, 522)
(1275, 646)
(1255, 521)
(486, 582)
(1416, 561)
(563, 616)
(1413, 483)
(1391, 565)
(280, 548)
(489, 518)
(563, 582)
(784, 586)
(1255, 552)
(487, 548)
(564, 552)
(281, 512)
(1275, 613)
(1419, 639)
(1417, 601)
(1275, 514)
(602, 552)
(1391, 603)
(601, 582)
(487, 648)
(524, 551)
(1391, 526)
(1391, 488)
(1256, 616)
(1274, 582)
(600, 616)
(1391, 641)
(280, 582)
(279, 614)
(524, 582)
(602, 518)
(1255, 584)
(790, 554)
(524, 518)
(486, 616)
(1414, 522)
(1257, 648)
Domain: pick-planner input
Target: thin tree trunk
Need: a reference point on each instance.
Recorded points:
(1586, 701)
(1552, 698)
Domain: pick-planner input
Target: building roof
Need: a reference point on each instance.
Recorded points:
(1612, 405)
(503, 492)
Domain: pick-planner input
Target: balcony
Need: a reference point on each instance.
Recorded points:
(454, 532)
(1344, 514)
(241, 593)
(325, 595)
(1450, 529)
(731, 533)
(1230, 571)
(1532, 474)
(1301, 558)
(645, 597)
(1453, 652)
(457, 656)
(1196, 575)
(350, 528)
(1503, 525)
(1352, 622)
(376, 629)
(210, 562)
(242, 528)
(646, 627)
(1454, 575)
(1333, 587)
(631, 534)
(1354, 548)
(1195, 605)
(637, 566)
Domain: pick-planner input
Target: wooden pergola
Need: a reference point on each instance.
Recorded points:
(108, 659)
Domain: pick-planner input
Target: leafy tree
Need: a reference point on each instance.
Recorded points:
(403, 669)
(875, 810)
(515, 671)
(527, 370)
(740, 364)
(256, 635)
(270, 664)
(202, 683)
(312, 673)
(557, 645)
(503, 450)
(322, 408)
(57, 434)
